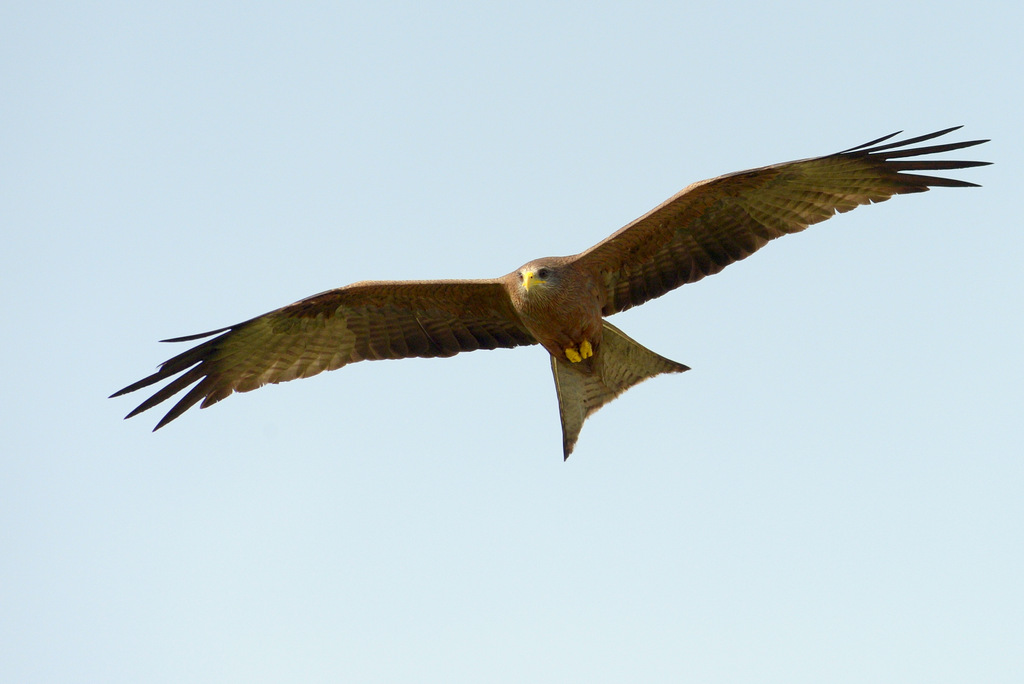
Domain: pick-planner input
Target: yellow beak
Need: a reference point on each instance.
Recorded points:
(530, 279)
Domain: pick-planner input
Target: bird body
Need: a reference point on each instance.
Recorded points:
(560, 303)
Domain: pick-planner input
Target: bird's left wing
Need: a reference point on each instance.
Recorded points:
(716, 222)
(364, 321)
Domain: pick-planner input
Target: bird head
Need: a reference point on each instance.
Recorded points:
(539, 278)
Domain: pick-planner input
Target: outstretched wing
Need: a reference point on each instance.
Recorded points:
(715, 222)
(364, 321)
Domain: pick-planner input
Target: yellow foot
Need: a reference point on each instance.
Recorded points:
(576, 355)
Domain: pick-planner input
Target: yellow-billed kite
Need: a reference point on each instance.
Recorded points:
(557, 302)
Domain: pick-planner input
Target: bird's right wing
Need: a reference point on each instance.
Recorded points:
(364, 321)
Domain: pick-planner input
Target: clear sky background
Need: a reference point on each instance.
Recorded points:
(833, 493)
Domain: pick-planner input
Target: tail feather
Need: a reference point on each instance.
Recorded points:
(584, 388)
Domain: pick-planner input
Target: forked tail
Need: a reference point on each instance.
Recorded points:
(583, 388)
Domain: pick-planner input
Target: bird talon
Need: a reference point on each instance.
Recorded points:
(584, 351)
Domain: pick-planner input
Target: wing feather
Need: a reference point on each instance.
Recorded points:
(716, 222)
(364, 321)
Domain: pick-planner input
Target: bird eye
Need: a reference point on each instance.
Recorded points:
(542, 273)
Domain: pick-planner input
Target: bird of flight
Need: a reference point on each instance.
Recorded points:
(560, 303)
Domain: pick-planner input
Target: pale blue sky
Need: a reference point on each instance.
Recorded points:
(833, 493)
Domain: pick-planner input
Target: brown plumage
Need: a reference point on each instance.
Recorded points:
(558, 302)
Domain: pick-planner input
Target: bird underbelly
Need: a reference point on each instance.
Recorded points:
(572, 340)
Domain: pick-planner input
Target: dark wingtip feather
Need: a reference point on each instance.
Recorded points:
(925, 182)
(193, 397)
(170, 389)
(872, 142)
(873, 147)
(144, 382)
(909, 141)
(910, 159)
(918, 151)
(179, 363)
(198, 336)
